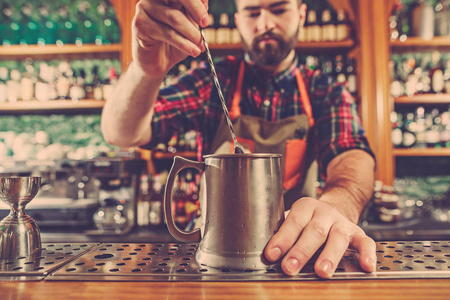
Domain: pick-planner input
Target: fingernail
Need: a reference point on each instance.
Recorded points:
(292, 266)
(274, 254)
(372, 262)
(196, 52)
(205, 20)
(326, 267)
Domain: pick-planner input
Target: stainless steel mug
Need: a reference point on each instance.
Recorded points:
(242, 207)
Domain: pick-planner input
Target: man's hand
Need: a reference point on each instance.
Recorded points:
(167, 31)
(310, 224)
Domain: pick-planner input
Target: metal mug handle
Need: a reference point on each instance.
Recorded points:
(179, 163)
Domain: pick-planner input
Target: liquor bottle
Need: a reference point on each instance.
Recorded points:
(433, 129)
(85, 33)
(97, 87)
(210, 31)
(397, 129)
(179, 201)
(313, 32)
(10, 25)
(343, 26)
(351, 76)
(13, 85)
(29, 29)
(156, 217)
(63, 80)
(445, 132)
(447, 76)
(143, 201)
(235, 34)
(47, 26)
(423, 20)
(339, 71)
(65, 29)
(328, 27)
(3, 78)
(107, 25)
(436, 73)
(42, 87)
(77, 90)
(420, 128)
(27, 82)
(223, 32)
(409, 128)
(442, 23)
(112, 81)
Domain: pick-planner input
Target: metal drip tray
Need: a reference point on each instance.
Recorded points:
(176, 262)
(52, 256)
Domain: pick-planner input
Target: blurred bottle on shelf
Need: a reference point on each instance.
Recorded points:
(423, 19)
(108, 87)
(13, 86)
(343, 26)
(328, 27)
(442, 14)
(30, 28)
(3, 90)
(313, 29)
(210, 31)
(223, 32)
(156, 212)
(143, 201)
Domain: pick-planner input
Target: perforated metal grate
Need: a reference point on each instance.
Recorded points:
(52, 256)
(176, 262)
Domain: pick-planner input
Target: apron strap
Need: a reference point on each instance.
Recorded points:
(304, 97)
(235, 109)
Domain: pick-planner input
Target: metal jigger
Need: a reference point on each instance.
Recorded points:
(19, 233)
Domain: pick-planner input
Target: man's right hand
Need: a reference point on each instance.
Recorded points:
(165, 32)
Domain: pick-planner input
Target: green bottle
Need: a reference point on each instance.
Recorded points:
(11, 20)
(47, 27)
(30, 28)
(85, 22)
(66, 28)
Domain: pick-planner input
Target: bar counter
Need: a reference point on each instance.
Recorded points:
(326, 289)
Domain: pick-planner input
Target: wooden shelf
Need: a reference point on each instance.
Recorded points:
(424, 99)
(18, 50)
(414, 43)
(164, 155)
(422, 152)
(52, 105)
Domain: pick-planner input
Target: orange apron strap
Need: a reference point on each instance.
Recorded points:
(235, 110)
(304, 97)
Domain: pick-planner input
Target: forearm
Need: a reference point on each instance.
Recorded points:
(127, 114)
(349, 184)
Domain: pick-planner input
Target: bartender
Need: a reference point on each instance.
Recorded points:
(276, 104)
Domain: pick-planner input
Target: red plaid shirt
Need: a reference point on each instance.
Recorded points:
(192, 103)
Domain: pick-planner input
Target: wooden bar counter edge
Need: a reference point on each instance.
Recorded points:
(320, 289)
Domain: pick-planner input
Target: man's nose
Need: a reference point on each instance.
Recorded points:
(265, 22)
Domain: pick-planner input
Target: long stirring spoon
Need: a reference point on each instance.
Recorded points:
(237, 147)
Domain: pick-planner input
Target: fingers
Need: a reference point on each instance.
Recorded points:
(175, 24)
(367, 251)
(311, 224)
(336, 245)
(289, 232)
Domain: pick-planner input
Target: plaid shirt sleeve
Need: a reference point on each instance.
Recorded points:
(180, 107)
(338, 127)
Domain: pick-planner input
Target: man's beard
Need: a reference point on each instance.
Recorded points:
(270, 54)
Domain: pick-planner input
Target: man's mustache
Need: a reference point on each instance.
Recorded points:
(267, 35)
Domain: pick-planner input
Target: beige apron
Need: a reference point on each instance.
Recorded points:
(287, 136)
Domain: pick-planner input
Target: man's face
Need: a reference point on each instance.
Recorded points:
(269, 28)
